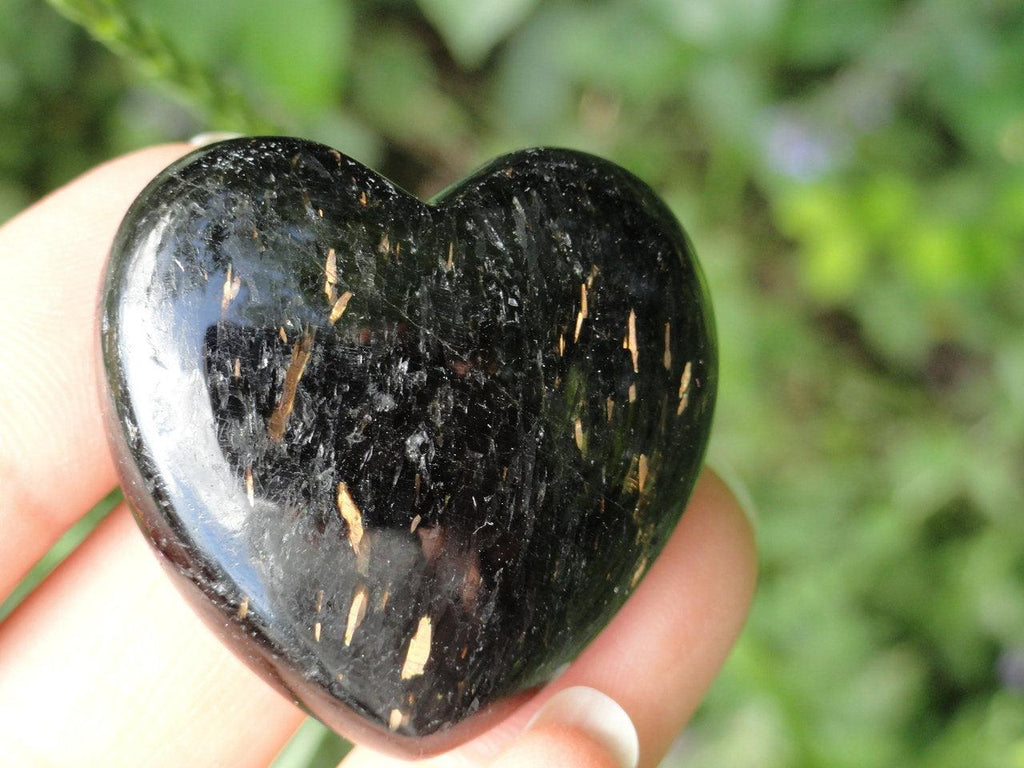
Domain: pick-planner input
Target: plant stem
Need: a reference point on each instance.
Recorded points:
(111, 23)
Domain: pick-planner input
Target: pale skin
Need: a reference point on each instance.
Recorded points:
(105, 664)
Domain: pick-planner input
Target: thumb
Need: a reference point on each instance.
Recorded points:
(578, 727)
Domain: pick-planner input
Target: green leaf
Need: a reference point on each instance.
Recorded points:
(298, 50)
(935, 255)
(471, 28)
(833, 253)
(312, 746)
(289, 56)
(145, 46)
(832, 268)
(56, 555)
(823, 32)
(396, 89)
(622, 52)
(534, 89)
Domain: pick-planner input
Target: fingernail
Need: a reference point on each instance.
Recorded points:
(596, 714)
(735, 484)
(212, 137)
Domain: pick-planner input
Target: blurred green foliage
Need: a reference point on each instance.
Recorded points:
(852, 172)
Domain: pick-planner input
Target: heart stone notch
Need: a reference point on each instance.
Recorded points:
(406, 458)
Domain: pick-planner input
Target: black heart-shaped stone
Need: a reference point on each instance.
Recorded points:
(406, 458)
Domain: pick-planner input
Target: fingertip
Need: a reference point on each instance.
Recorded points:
(664, 648)
(54, 461)
(578, 727)
(732, 514)
(559, 745)
(106, 189)
(122, 178)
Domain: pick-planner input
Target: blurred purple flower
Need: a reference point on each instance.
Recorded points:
(1010, 668)
(797, 148)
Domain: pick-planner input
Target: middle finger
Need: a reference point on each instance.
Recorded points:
(105, 664)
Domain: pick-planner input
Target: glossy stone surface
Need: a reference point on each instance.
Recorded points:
(406, 458)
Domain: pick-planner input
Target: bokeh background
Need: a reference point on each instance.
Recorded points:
(852, 173)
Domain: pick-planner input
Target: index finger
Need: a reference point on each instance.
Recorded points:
(54, 460)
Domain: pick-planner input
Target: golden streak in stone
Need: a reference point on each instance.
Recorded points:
(641, 567)
(395, 719)
(419, 650)
(351, 515)
(581, 440)
(339, 307)
(300, 356)
(667, 358)
(356, 612)
(632, 481)
(250, 493)
(331, 276)
(684, 380)
(582, 314)
(641, 477)
(231, 287)
(631, 345)
(684, 386)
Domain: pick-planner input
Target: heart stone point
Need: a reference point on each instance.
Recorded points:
(406, 458)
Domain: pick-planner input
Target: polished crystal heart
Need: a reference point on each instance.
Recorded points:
(406, 458)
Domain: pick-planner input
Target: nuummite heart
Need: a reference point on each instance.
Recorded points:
(406, 458)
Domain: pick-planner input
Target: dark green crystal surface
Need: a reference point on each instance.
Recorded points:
(406, 458)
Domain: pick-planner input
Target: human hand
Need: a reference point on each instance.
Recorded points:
(104, 664)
